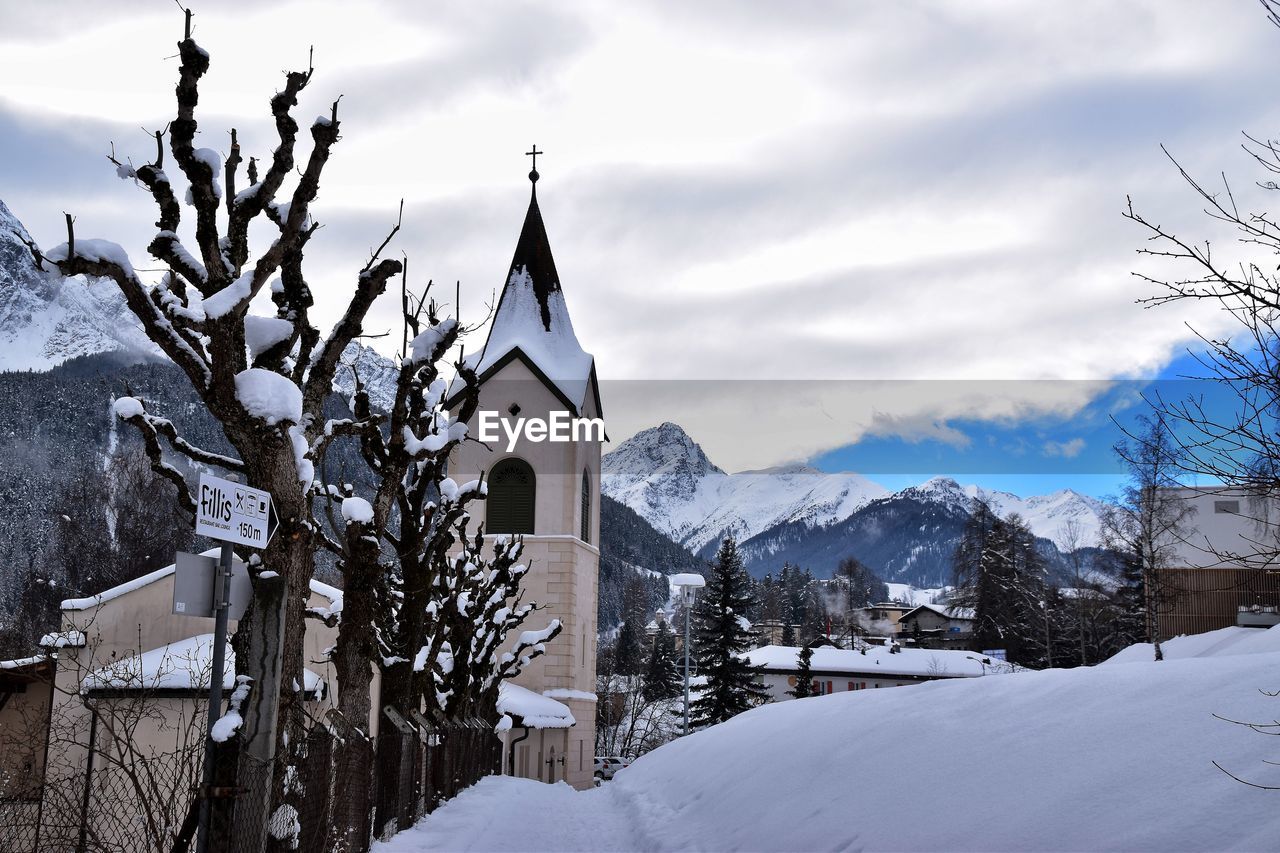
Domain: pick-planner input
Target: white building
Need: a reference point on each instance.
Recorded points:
(836, 670)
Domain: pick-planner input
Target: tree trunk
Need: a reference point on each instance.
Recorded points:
(353, 662)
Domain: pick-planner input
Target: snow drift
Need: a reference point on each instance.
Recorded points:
(1117, 757)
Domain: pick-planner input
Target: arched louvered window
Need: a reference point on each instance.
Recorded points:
(586, 507)
(512, 488)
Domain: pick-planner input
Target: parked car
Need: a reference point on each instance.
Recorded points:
(607, 765)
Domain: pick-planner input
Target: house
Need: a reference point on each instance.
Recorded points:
(880, 620)
(836, 670)
(119, 695)
(1209, 579)
(532, 367)
(936, 626)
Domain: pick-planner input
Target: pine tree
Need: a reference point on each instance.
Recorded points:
(804, 674)
(999, 573)
(630, 659)
(722, 636)
(661, 680)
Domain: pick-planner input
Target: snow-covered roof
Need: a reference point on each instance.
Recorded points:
(1224, 642)
(940, 663)
(330, 592)
(533, 710)
(943, 610)
(22, 663)
(62, 640)
(532, 322)
(180, 665)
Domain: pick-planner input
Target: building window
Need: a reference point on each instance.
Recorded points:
(1232, 507)
(512, 490)
(586, 507)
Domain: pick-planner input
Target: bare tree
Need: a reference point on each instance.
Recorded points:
(264, 379)
(1149, 520)
(1071, 537)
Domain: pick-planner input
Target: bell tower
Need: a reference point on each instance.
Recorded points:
(532, 367)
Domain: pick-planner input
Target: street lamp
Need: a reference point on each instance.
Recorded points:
(984, 661)
(688, 584)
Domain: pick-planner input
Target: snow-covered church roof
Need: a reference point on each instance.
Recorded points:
(531, 323)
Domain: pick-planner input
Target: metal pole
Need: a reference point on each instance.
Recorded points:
(221, 585)
(687, 598)
(82, 843)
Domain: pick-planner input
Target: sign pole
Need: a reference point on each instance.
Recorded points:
(221, 585)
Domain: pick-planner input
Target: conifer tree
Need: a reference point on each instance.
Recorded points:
(629, 653)
(722, 635)
(661, 680)
(804, 674)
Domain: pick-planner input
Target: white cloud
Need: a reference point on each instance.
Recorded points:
(1069, 449)
(915, 190)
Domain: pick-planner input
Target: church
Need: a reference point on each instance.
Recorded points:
(532, 366)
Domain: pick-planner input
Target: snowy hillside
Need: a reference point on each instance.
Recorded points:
(1103, 758)
(664, 475)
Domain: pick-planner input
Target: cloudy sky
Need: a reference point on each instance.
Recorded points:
(734, 190)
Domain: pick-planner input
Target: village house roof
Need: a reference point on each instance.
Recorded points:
(945, 611)
(177, 667)
(875, 660)
(330, 592)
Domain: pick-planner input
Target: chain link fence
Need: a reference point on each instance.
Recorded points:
(147, 804)
(129, 804)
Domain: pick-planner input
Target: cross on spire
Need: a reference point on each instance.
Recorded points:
(534, 152)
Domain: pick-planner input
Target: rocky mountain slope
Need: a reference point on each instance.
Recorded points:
(46, 319)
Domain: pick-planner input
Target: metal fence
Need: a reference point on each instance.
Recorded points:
(127, 805)
(421, 763)
(145, 805)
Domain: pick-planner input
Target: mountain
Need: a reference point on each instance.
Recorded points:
(814, 519)
(46, 319)
(664, 475)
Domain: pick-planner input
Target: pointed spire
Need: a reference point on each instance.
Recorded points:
(533, 253)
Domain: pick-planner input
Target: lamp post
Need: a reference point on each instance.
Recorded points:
(983, 661)
(688, 584)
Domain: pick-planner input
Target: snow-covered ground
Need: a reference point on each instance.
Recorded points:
(1115, 757)
(916, 596)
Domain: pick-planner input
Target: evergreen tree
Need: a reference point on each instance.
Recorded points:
(661, 680)
(804, 674)
(721, 637)
(999, 573)
(629, 653)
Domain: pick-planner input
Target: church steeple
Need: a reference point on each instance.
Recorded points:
(531, 321)
(533, 256)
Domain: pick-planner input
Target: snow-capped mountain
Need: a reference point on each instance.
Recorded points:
(46, 319)
(1048, 516)
(664, 476)
(813, 518)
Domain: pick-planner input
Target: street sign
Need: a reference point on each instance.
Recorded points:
(995, 654)
(230, 512)
(193, 583)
